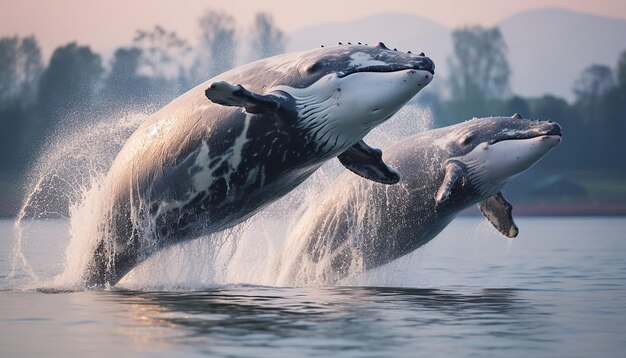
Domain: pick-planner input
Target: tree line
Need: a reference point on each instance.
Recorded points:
(75, 85)
(594, 124)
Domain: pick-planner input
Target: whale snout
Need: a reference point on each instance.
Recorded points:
(555, 129)
(552, 135)
(422, 77)
(424, 63)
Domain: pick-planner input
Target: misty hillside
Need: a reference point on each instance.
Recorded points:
(547, 48)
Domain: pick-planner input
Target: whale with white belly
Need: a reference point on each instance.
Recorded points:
(357, 225)
(222, 151)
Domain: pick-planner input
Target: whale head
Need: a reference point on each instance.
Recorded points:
(345, 91)
(487, 152)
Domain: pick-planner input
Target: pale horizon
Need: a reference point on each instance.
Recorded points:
(105, 26)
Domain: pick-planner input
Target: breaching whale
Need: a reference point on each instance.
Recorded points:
(359, 225)
(222, 151)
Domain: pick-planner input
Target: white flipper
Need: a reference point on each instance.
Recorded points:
(226, 94)
(454, 172)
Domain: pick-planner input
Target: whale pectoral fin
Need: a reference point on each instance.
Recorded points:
(454, 172)
(367, 162)
(226, 94)
(499, 212)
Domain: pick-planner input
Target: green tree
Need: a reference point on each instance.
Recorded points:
(8, 66)
(479, 67)
(593, 84)
(125, 87)
(68, 85)
(570, 153)
(267, 40)
(20, 66)
(517, 104)
(30, 67)
(621, 72)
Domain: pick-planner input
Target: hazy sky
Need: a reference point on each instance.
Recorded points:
(107, 24)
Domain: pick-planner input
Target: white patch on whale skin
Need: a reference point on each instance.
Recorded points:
(240, 141)
(201, 171)
(490, 166)
(204, 177)
(364, 59)
(340, 111)
(523, 133)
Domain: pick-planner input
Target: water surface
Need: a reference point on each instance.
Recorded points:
(557, 290)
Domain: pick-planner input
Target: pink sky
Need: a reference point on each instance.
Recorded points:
(106, 25)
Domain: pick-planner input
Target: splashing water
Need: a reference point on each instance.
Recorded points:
(64, 185)
(67, 183)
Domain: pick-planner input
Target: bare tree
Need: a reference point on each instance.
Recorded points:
(216, 50)
(164, 54)
(267, 40)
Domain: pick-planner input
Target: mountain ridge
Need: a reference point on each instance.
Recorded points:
(547, 48)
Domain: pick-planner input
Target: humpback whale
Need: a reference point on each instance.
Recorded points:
(359, 225)
(219, 153)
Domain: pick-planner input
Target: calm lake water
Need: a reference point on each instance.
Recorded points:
(558, 290)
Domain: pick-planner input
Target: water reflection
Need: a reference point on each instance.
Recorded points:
(364, 319)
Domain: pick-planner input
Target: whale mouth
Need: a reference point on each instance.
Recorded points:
(554, 132)
(554, 139)
(427, 66)
(416, 63)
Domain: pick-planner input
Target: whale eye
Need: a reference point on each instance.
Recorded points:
(306, 69)
(312, 67)
(467, 139)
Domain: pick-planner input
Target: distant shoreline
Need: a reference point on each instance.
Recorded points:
(544, 209)
(563, 209)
